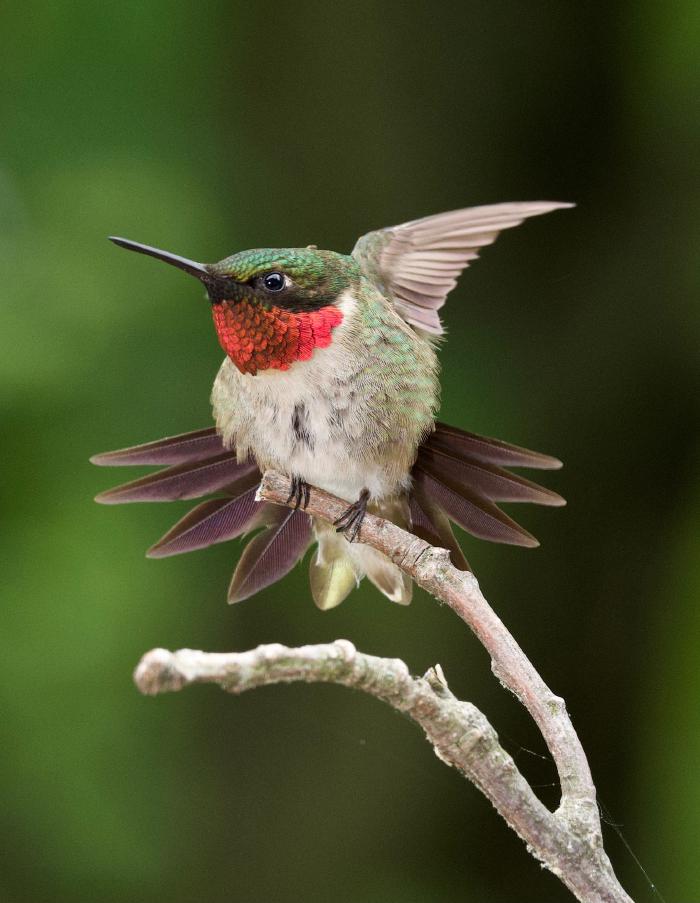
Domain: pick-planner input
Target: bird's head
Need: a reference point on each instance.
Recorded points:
(271, 306)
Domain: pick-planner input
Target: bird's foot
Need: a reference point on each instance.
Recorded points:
(351, 519)
(300, 493)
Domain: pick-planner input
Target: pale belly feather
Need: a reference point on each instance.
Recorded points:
(344, 421)
(321, 437)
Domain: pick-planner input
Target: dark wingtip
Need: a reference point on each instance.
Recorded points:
(211, 522)
(182, 481)
(270, 555)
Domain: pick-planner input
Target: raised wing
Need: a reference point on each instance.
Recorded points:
(418, 263)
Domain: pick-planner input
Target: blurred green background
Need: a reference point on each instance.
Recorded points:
(208, 128)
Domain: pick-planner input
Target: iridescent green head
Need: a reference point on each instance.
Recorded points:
(296, 279)
(272, 307)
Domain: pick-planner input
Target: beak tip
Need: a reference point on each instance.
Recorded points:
(121, 242)
(182, 263)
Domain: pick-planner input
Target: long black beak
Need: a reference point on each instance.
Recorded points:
(182, 263)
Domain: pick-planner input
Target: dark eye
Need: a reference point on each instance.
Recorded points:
(274, 282)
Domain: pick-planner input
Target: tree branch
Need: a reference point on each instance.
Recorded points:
(432, 570)
(460, 734)
(569, 841)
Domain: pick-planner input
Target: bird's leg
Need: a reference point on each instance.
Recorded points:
(300, 493)
(351, 519)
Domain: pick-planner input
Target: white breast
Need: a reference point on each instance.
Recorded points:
(324, 420)
(308, 421)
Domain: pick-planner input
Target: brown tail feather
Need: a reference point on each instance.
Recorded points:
(458, 476)
(474, 514)
(183, 481)
(490, 451)
(432, 524)
(214, 521)
(271, 554)
(492, 482)
(194, 446)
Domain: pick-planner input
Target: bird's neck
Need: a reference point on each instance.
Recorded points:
(257, 338)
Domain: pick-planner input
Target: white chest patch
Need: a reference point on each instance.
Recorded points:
(323, 420)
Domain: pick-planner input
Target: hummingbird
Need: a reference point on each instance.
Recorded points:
(331, 376)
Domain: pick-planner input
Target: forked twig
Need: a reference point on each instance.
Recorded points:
(568, 841)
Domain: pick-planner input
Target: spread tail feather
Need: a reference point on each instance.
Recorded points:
(272, 553)
(194, 446)
(458, 477)
(433, 525)
(214, 521)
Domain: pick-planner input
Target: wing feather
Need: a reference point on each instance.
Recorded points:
(417, 263)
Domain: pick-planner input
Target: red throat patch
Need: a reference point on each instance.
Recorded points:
(259, 339)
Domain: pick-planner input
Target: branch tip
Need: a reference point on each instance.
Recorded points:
(157, 672)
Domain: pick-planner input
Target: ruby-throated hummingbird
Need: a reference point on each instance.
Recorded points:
(331, 377)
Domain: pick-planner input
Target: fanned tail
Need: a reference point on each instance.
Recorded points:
(433, 525)
(214, 521)
(272, 553)
(489, 451)
(197, 445)
(458, 477)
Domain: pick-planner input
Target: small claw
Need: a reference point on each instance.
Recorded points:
(350, 521)
(354, 528)
(343, 522)
(300, 491)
